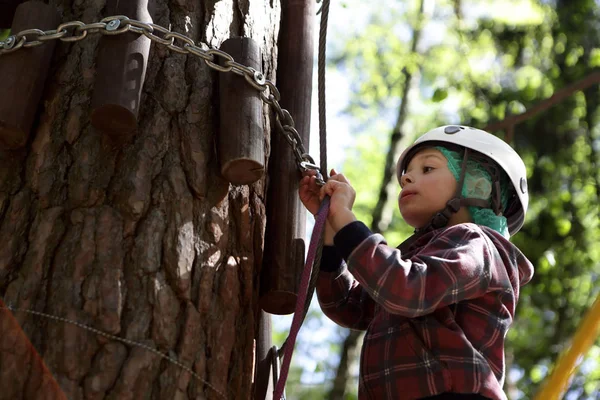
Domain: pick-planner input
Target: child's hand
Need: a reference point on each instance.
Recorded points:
(309, 191)
(342, 199)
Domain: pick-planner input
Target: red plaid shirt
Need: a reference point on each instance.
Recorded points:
(436, 316)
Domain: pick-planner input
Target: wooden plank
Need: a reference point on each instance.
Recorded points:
(24, 74)
(120, 73)
(284, 244)
(241, 128)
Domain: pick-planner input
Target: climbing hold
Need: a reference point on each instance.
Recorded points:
(121, 69)
(24, 74)
(241, 139)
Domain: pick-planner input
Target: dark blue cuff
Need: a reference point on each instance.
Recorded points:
(350, 236)
(331, 260)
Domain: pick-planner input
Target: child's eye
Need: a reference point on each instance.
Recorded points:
(427, 169)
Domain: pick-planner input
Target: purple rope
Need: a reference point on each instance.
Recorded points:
(298, 314)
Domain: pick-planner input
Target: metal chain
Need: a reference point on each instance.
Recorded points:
(75, 31)
(117, 338)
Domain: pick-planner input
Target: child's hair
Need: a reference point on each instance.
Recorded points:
(478, 184)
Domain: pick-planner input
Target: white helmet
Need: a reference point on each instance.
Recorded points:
(490, 146)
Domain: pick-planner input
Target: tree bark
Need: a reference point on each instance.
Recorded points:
(142, 240)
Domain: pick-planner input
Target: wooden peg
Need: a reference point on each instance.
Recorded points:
(263, 374)
(280, 278)
(120, 73)
(23, 74)
(7, 12)
(241, 133)
(284, 244)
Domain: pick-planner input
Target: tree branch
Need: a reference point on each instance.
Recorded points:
(558, 97)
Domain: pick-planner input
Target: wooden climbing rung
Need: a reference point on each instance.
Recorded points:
(284, 244)
(241, 139)
(120, 74)
(23, 75)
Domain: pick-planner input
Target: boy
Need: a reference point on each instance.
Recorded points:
(437, 308)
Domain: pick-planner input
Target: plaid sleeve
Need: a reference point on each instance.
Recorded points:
(340, 296)
(457, 264)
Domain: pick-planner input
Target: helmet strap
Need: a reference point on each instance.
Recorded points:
(441, 218)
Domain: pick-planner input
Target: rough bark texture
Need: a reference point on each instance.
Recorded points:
(141, 240)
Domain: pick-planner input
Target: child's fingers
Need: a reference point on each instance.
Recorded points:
(328, 189)
(305, 183)
(309, 172)
(340, 178)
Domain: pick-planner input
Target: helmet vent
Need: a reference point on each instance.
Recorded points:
(452, 129)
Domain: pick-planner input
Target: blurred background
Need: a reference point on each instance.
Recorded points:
(399, 68)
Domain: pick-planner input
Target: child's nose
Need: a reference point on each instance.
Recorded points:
(406, 178)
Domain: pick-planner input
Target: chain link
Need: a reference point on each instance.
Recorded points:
(215, 59)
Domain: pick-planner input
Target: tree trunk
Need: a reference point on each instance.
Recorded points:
(142, 240)
(348, 355)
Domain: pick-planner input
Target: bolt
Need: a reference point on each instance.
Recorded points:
(9, 42)
(113, 25)
(259, 78)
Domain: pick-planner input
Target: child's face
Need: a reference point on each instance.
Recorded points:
(427, 185)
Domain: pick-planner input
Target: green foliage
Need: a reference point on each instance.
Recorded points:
(4, 33)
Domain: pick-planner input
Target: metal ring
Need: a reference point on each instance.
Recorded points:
(52, 35)
(156, 38)
(200, 52)
(287, 117)
(291, 141)
(179, 49)
(296, 135)
(240, 69)
(278, 110)
(72, 24)
(273, 89)
(26, 32)
(139, 26)
(33, 43)
(298, 152)
(221, 54)
(94, 27)
(292, 133)
(269, 99)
